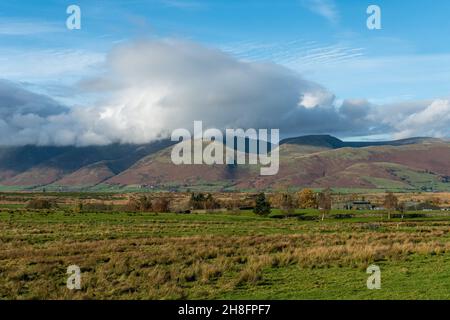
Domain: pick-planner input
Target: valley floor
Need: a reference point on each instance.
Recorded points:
(220, 256)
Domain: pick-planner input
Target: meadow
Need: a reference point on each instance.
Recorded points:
(222, 255)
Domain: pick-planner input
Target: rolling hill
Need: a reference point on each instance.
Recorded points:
(309, 161)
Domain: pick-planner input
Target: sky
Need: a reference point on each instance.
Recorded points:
(137, 69)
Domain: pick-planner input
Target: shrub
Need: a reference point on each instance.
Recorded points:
(180, 206)
(139, 204)
(232, 205)
(199, 201)
(409, 215)
(96, 207)
(40, 204)
(342, 216)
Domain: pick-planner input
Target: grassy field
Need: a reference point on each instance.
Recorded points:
(221, 256)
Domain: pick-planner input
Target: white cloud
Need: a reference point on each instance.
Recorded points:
(315, 99)
(150, 88)
(9, 27)
(299, 55)
(324, 8)
(46, 64)
(433, 120)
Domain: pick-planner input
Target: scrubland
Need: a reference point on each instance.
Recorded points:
(220, 255)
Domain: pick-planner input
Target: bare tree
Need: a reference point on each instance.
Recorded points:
(324, 202)
(211, 203)
(287, 204)
(390, 203)
(402, 208)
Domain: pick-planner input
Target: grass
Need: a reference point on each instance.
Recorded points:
(221, 256)
(409, 179)
(417, 277)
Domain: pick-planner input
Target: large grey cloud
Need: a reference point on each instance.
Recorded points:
(149, 88)
(25, 116)
(18, 100)
(155, 87)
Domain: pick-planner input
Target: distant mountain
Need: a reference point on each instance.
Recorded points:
(308, 161)
(331, 142)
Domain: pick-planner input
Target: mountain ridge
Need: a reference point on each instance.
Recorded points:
(312, 161)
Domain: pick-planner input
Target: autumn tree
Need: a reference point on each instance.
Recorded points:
(435, 201)
(160, 205)
(390, 203)
(307, 199)
(276, 199)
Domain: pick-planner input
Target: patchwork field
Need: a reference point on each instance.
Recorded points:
(221, 256)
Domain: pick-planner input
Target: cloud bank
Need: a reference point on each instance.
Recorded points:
(149, 88)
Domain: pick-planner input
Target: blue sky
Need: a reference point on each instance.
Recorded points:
(325, 41)
(408, 59)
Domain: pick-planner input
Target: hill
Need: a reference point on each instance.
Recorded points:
(309, 161)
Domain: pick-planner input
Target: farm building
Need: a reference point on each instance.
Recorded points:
(356, 205)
